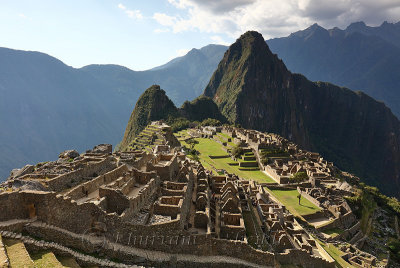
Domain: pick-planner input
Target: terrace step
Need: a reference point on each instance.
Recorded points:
(46, 259)
(17, 253)
(52, 246)
(68, 262)
(4, 262)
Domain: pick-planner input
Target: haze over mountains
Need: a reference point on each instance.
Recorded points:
(47, 106)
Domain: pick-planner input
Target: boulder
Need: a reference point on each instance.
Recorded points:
(102, 149)
(15, 173)
(68, 154)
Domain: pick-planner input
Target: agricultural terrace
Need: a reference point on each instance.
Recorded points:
(290, 200)
(209, 147)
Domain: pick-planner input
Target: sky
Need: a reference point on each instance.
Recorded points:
(144, 34)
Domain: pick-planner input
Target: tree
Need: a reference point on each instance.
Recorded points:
(236, 151)
(299, 177)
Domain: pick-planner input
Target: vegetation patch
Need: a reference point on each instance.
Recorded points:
(17, 253)
(333, 232)
(206, 147)
(46, 259)
(289, 198)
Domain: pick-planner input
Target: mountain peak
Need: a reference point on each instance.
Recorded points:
(356, 26)
(253, 66)
(308, 32)
(152, 105)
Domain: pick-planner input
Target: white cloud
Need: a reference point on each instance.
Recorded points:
(165, 30)
(21, 15)
(218, 40)
(132, 13)
(274, 17)
(164, 19)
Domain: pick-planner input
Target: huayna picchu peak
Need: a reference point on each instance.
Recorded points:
(252, 87)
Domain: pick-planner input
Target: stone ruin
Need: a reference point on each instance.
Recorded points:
(149, 208)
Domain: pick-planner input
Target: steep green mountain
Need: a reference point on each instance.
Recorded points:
(359, 57)
(152, 105)
(47, 106)
(251, 86)
(155, 105)
(201, 108)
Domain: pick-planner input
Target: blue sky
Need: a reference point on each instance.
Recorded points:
(145, 34)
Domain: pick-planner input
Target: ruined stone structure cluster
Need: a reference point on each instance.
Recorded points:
(322, 188)
(150, 209)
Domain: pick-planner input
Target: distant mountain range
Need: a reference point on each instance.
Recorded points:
(359, 57)
(47, 106)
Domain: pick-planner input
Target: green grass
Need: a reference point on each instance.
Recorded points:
(17, 254)
(333, 232)
(336, 254)
(224, 138)
(290, 200)
(208, 147)
(46, 259)
(68, 262)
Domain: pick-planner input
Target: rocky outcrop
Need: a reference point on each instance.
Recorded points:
(15, 173)
(69, 154)
(252, 87)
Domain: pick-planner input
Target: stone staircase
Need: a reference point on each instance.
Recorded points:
(54, 247)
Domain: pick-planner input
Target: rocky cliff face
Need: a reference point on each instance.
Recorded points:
(251, 86)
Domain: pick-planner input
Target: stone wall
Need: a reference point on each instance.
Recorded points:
(137, 202)
(12, 206)
(94, 184)
(76, 177)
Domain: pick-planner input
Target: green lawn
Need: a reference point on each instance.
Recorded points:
(290, 200)
(208, 147)
(336, 254)
(333, 232)
(224, 138)
(46, 259)
(17, 253)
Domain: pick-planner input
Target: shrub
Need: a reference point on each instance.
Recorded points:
(237, 151)
(299, 177)
(210, 122)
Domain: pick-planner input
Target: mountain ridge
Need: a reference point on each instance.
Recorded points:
(359, 57)
(252, 87)
(51, 106)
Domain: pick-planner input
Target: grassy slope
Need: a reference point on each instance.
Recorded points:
(46, 259)
(336, 254)
(290, 200)
(17, 254)
(208, 147)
